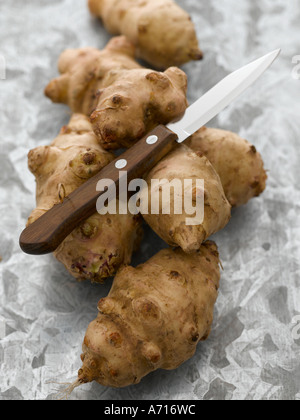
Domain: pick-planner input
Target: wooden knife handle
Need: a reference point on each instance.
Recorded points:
(50, 230)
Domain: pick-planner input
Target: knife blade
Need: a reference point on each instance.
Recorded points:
(50, 230)
(220, 96)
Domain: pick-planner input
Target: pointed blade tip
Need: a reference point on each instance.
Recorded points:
(274, 53)
(177, 127)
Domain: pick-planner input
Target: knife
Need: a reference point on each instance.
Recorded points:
(49, 231)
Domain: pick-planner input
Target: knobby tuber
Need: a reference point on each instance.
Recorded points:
(99, 246)
(123, 100)
(153, 318)
(84, 71)
(238, 163)
(163, 32)
(136, 103)
(183, 164)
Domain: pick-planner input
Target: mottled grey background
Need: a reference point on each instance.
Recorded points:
(252, 352)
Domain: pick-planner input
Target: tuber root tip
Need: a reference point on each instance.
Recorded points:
(65, 393)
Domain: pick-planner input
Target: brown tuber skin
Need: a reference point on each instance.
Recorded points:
(71, 159)
(163, 32)
(139, 101)
(153, 318)
(123, 100)
(238, 163)
(99, 246)
(84, 70)
(184, 164)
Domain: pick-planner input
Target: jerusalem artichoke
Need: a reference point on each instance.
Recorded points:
(99, 246)
(84, 70)
(138, 102)
(124, 100)
(161, 30)
(238, 163)
(183, 164)
(153, 318)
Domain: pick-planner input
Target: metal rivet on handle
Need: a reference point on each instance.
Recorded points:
(152, 140)
(121, 164)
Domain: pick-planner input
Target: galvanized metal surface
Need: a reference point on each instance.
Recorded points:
(254, 348)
